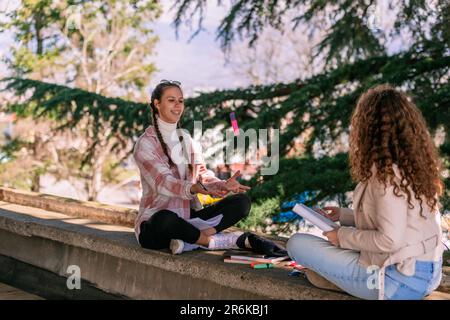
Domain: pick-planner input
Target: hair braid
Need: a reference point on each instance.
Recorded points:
(160, 138)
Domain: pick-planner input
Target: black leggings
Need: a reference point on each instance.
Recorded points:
(166, 225)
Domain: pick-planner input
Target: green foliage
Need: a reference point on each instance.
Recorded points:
(329, 98)
(28, 23)
(335, 92)
(348, 37)
(55, 41)
(320, 105)
(21, 179)
(114, 173)
(445, 151)
(260, 211)
(101, 46)
(446, 258)
(56, 102)
(10, 149)
(328, 175)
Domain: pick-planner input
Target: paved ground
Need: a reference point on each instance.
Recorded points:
(11, 293)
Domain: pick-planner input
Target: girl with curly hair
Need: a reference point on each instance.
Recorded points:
(389, 245)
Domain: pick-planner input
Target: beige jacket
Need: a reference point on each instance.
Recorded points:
(386, 231)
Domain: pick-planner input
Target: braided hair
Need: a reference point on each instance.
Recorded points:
(157, 94)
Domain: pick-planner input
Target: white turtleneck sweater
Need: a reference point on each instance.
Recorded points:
(170, 137)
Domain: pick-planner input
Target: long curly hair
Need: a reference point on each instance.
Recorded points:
(387, 128)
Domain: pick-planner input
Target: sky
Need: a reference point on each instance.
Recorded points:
(198, 64)
(5, 37)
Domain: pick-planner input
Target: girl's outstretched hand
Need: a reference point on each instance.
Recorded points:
(233, 185)
(222, 189)
(200, 188)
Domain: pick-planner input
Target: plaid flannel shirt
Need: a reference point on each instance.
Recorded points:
(162, 187)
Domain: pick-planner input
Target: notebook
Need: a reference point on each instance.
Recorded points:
(228, 260)
(247, 257)
(315, 218)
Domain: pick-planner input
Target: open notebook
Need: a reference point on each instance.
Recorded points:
(315, 218)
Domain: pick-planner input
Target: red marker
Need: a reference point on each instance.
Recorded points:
(234, 124)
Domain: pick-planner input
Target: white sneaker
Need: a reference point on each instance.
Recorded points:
(220, 241)
(178, 246)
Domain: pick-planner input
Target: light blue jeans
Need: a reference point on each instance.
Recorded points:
(341, 267)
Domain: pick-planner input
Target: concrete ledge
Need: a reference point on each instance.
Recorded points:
(46, 284)
(85, 209)
(52, 233)
(110, 258)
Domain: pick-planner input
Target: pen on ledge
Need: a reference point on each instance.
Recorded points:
(257, 265)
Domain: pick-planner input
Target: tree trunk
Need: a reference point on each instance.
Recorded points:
(95, 185)
(38, 29)
(36, 182)
(36, 175)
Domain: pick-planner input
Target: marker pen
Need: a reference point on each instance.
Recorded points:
(257, 265)
(234, 124)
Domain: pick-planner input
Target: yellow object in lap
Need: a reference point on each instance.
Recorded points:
(206, 199)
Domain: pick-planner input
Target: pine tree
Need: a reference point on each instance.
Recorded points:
(321, 105)
(356, 55)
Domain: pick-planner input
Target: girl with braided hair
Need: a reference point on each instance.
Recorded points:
(172, 173)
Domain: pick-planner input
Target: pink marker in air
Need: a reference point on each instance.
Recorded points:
(234, 124)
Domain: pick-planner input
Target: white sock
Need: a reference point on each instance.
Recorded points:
(190, 246)
(178, 246)
(221, 241)
(247, 243)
